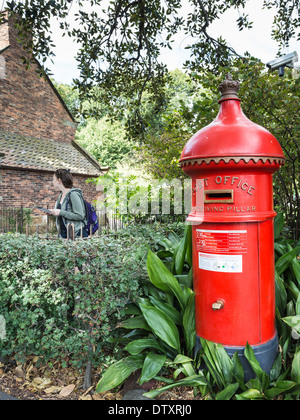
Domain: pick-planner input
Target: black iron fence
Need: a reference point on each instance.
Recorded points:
(12, 219)
(22, 220)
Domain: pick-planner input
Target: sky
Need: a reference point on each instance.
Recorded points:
(257, 41)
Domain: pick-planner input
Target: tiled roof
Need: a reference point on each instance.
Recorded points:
(41, 154)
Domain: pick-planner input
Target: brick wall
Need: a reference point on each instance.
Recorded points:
(30, 106)
(33, 188)
(28, 103)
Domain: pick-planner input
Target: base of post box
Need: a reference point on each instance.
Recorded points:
(265, 354)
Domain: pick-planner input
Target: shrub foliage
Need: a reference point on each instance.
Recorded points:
(63, 299)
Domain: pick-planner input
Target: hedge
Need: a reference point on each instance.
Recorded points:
(63, 299)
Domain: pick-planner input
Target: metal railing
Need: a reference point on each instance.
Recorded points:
(11, 219)
(21, 220)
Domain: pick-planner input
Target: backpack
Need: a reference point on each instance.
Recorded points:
(92, 224)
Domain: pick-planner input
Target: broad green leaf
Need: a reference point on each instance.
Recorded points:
(195, 380)
(182, 279)
(291, 285)
(293, 322)
(280, 293)
(281, 249)
(162, 326)
(254, 384)
(162, 278)
(164, 379)
(158, 293)
(296, 269)
(164, 254)
(179, 257)
(136, 322)
(278, 225)
(187, 293)
(228, 392)
(295, 390)
(152, 365)
(186, 365)
(188, 369)
(251, 394)
(219, 363)
(237, 369)
(298, 305)
(177, 372)
(132, 309)
(188, 322)
(173, 240)
(259, 372)
(180, 251)
(285, 260)
(279, 388)
(137, 346)
(189, 248)
(276, 369)
(118, 372)
(169, 310)
(295, 375)
(181, 358)
(225, 363)
(212, 362)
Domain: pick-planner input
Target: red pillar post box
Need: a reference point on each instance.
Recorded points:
(233, 231)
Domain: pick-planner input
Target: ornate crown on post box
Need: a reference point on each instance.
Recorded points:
(229, 88)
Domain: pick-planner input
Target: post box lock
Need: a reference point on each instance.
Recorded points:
(216, 306)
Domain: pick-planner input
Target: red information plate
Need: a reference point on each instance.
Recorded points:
(221, 241)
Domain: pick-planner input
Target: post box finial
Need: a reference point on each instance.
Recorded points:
(229, 88)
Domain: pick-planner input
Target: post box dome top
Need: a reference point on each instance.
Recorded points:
(231, 136)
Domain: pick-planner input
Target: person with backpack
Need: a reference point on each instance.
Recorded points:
(70, 205)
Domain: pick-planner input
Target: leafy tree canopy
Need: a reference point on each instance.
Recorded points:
(105, 140)
(267, 99)
(121, 40)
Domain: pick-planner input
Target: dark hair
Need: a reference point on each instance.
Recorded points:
(65, 176)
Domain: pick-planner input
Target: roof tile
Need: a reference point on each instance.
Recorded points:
(41, 154)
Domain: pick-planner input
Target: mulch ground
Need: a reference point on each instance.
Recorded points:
(31, 381)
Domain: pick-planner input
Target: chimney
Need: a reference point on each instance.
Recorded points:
(4, 31)
(8, 31)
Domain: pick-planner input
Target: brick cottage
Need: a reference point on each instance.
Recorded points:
(37, 133)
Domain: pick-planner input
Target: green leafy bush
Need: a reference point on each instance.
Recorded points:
(61, 299)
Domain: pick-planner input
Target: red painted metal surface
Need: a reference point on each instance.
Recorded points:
(232, 134)
(231, 162)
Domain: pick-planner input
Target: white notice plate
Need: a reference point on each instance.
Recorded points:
(221, 263)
